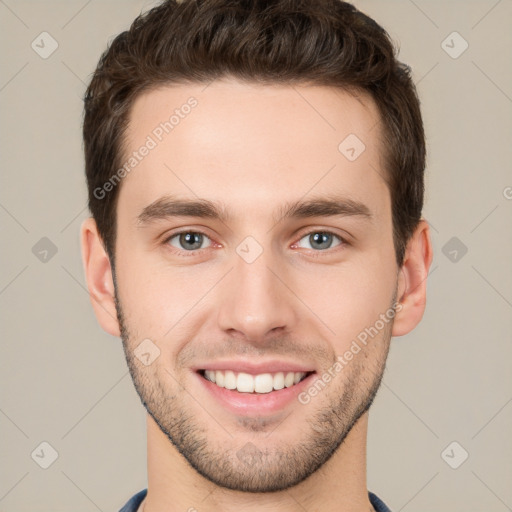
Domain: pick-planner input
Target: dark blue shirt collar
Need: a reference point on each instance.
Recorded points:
(133, 504)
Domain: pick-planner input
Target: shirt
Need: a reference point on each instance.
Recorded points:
(133, 504)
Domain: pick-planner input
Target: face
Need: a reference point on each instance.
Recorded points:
(255, 248)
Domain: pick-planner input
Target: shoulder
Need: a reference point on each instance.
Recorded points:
(133, 503)
(377, 503)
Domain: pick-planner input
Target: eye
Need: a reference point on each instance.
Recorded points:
(187, 240)
(190, 241)
(320, 240)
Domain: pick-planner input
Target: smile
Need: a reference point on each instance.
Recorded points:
(247, 383)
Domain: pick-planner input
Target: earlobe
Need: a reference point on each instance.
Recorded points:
(98, 275)
(412, 281)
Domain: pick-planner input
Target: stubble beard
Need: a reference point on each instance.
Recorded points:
(249, 466)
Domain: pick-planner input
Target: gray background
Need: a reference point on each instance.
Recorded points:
(65, 381)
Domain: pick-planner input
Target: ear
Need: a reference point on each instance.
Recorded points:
(98, 275)
(412, 281)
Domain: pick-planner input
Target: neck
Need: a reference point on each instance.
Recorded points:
(338, 486)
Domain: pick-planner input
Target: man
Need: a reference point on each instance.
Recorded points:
(255, 173)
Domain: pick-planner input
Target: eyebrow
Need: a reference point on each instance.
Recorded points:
(325, 206)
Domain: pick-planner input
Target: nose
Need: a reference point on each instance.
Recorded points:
(255, 303)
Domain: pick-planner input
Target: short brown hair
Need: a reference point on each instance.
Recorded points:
(321, 42)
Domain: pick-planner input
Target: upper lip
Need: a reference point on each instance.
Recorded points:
(240, 365)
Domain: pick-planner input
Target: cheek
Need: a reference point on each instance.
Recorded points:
(349, 298)
(160, 301)
(146, 295)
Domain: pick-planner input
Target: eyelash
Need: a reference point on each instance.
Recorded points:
(315, 253)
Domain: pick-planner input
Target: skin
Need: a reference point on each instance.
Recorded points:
(255, 148)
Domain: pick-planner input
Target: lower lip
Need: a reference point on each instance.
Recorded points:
(256, 403)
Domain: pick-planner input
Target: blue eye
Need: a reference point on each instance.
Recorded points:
(188, 240)
(320, 240)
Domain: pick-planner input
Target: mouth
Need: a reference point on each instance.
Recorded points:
(246, 383)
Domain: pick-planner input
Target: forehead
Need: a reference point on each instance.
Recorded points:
(251, 144)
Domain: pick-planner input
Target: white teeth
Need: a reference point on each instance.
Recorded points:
(229, 380)
(219, 378)
(247, 383)
(263, 383)
(288, 380)
(279, 380)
